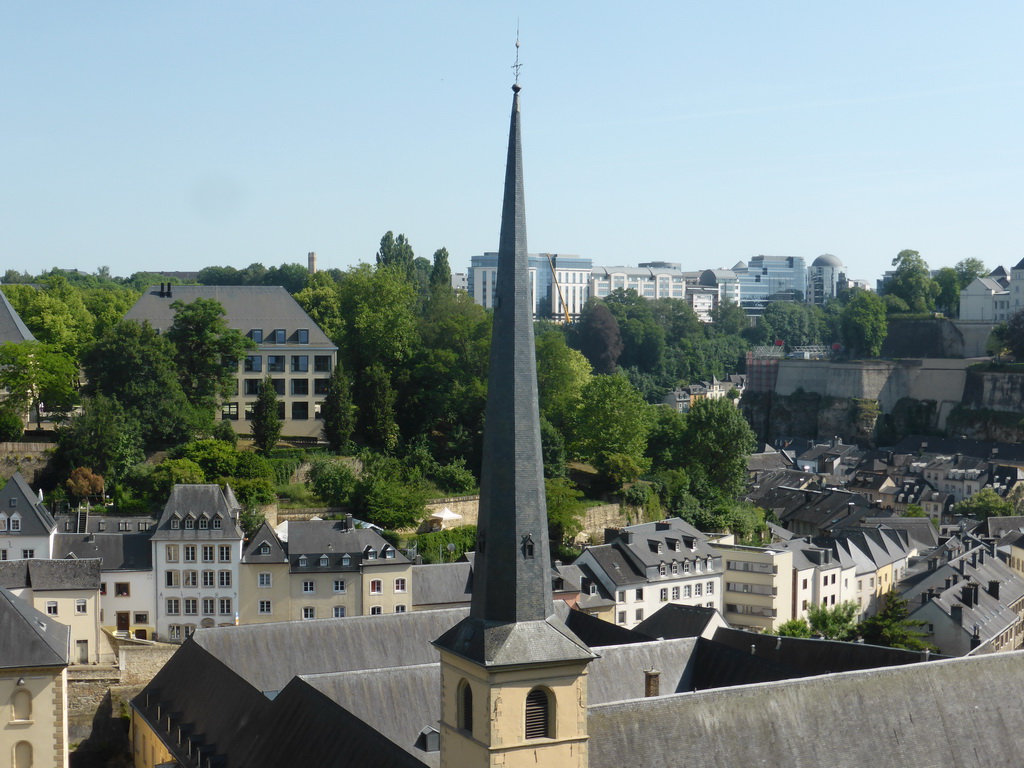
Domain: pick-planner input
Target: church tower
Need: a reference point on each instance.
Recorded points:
(513, 677)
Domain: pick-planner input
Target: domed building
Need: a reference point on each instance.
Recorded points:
(825, 276)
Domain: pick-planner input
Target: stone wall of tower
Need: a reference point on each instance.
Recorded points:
(499, 715)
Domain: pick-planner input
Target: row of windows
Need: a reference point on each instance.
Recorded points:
(191, 606)
(324, 560)
(122, 525)
(223, 552)
(251, 387)
(309, 587)
(698, 566)
(175, 578)
(278, 336)
(300, 411)
(26, 554)
(685, 591)
(190, 523)
(121, 589)
(277, 363)
(309, 611)
(81, 608)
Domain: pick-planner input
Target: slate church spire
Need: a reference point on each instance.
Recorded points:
(512, 567)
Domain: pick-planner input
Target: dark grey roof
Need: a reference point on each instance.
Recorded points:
(618, 672)
(254, 651)
(48, 575)
(36, 519)
(1000, 526)
(399, 702)
(595, 632)
(116, 551)
(920, 529)
(335, 539)
(12, 327)
(441, 584)
(96, 522)
(673, 621)
(265, 536)
(911, 716)
(29, 638)
(247, 307)
(614, 562)
(197, 500)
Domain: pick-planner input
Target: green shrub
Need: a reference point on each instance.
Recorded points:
(11, 425)
(434, 545)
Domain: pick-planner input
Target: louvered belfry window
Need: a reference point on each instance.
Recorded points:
(537, 716)
(466, 706)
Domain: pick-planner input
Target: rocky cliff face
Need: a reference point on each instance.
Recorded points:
(868, 409)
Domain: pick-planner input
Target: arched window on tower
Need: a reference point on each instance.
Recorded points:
(538, 714)
(465, 718)
(22, 755)
(21, 705)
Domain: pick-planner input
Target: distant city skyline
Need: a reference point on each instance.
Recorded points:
(178, 137)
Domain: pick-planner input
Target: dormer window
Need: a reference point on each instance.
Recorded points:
(190, 523)
(15, 522)
(662, 570)
(323, 561)
(389, 554)
(371, 554)
(593, 588)
(217, 521)
(528, 546)
(675, 568)
(279, 336)
(303, 562)
(264, 548)
(257, 335)
(204, 523)
(659, 547)
(675, 545)
(303, 335)
(175, 523)
(346, 561)
(13, 502)
(711, 563)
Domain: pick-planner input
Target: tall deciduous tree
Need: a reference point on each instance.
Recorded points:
(134, 364)
(912, 282)
(338, 411)
(321, 300)
(969, 269)
(561, 375)
(266, 422)
(207, 351)
(864, 324)
(1012, 334)
(103, 437)
(612, 419)
(396, 252)
(948, 296)
(717, 445)
(440, 272)
(729, 318)
(37, 374)
(598, 337)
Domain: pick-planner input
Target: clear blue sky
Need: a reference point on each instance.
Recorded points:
(182, 134)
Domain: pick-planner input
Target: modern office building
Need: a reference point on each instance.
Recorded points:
(550, 300)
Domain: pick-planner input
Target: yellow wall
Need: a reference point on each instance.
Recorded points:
(46, 729)
(147, 748)
(499, 705)
(250, 593)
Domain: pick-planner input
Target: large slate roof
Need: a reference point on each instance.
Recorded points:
(197, 499)
(918, 716)
(115, 551)
(441, 584)
(673, 620)
(36, 519)
(335, 538)
(29, 638)
(12, 327)
(246, 308)
(50, 575)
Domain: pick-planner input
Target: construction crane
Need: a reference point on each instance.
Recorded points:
(554, 279)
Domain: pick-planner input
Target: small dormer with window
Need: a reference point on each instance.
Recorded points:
(264, 548)
(3, 521)
(324, 561)
(370, 553)
(256, 334)
(175, 521)
(218, 522)
(389, 553)
(303, 561)
(190, 522)
(346, 561)
(14, 524)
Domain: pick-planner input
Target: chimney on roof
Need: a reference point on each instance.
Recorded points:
(967, 596)
(349, 525)
(169, 290)
(956, 613)
(949, 582)
(312, 262)
(652, 682)
(627, 536)
(662, 526)
(974, 559)
(993, 588)
(981, 556)
(976, 637)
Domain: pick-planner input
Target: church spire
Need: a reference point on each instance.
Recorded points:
(512, 567)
